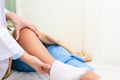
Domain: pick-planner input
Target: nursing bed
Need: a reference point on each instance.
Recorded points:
(109, 72)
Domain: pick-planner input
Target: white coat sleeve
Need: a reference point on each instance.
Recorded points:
(6, 11)
(8, 46)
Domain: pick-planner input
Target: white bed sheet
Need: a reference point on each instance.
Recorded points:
(27, 76)
(108, 72)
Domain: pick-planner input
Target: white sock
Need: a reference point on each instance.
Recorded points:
(61, 71)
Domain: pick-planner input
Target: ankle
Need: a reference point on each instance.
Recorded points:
(90, 75)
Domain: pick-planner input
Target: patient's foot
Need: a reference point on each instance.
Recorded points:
(61, 71)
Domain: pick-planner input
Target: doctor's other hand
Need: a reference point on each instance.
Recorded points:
(36, 63)
(20, 23)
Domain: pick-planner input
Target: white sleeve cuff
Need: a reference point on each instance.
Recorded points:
(18, 55)
(6, 11)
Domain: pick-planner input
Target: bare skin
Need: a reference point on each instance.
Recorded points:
(31, 43)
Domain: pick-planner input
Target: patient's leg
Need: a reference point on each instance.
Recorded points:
(30, 42)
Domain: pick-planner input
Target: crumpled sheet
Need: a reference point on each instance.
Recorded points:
(109, 72)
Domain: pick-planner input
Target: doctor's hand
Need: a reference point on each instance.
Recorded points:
(20, 23)
(35, 63)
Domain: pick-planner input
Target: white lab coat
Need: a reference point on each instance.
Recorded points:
(8, 46)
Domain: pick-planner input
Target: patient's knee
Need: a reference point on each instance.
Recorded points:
(24, 32)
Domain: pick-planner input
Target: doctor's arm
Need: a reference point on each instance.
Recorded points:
(10, 48)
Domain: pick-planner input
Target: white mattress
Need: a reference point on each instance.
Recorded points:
(108, 72)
